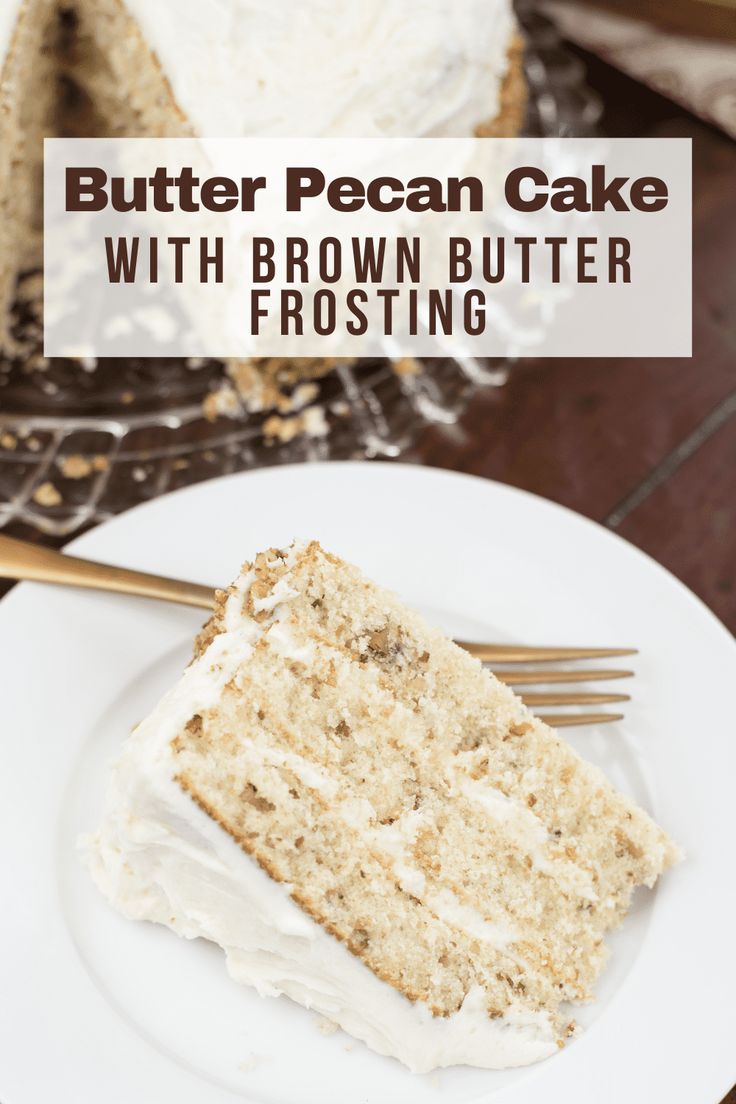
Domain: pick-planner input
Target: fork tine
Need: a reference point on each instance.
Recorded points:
(586, 674)
(514, 653)
(573, 699)
(567, 720)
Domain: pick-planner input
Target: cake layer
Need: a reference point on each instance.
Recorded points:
(159, 857)
(410, 803)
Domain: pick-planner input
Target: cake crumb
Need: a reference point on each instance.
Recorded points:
(406, 366)
(249, 1064)
(47, 495)
(310, 422)
(74, 466)
(274, 383)
(326, 1027)
(221, 403)
(300, 397)
(280, 429)
(314, 423)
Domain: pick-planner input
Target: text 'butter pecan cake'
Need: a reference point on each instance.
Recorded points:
(368, 821)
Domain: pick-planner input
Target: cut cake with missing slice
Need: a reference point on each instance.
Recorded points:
(367, 820)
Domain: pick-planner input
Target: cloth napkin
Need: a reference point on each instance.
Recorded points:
(699, 73)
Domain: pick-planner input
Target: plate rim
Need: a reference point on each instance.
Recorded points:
(76, 543)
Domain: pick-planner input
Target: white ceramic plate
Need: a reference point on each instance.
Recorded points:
(95, 1008)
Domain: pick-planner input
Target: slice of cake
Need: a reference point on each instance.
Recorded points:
(368, 821)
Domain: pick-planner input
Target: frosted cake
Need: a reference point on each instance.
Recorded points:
(368, 821)
(170, 68)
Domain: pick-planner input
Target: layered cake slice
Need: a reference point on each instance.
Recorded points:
(369, 822)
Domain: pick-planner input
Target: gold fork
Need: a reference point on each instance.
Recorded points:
(23, 560)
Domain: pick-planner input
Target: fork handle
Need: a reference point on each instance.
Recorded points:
(24, 560)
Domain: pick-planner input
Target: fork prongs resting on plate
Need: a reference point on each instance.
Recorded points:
(499, 654)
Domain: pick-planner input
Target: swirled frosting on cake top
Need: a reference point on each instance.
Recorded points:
(313, 68)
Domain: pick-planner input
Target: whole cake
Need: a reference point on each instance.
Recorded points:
(242, 67)
(368, 821)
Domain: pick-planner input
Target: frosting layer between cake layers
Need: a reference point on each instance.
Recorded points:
(159, 857)
(307, 69)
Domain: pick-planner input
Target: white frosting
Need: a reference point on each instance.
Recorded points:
(312, 68)
(308, 68)
(157, 856)
(9, 10)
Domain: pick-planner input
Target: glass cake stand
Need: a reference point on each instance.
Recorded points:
(80, 443)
